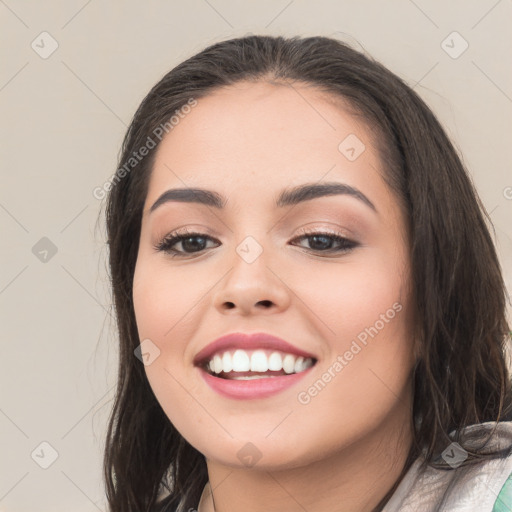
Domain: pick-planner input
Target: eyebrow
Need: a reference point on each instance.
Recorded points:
(287, 197)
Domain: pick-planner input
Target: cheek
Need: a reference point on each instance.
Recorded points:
(164, 299)
(364, 309)
(348, 298)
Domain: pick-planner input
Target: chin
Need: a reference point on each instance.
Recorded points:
(258, 454)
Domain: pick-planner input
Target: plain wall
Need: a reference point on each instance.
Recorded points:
(63, 118)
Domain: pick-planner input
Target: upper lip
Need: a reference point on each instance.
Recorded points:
(238, 340)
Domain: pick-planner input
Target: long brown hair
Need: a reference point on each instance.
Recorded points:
(461, 377)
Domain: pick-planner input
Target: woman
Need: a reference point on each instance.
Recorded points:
(310, 308)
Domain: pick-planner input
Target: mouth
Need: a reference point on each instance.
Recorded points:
(242, 364)
(252, 366)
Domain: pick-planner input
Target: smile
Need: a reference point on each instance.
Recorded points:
(245, 375)
(256, 364)
(248, 366)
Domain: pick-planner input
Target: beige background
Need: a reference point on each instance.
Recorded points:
(63, 119)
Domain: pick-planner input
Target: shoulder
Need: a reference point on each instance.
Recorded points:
(462, 487)
(503, 502)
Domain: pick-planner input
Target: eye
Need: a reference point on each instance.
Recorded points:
(323, 242)
(191, 243)
(194, 242)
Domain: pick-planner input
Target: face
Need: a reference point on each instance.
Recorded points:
(329, 274)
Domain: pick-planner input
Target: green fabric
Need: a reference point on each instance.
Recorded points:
(504, 501)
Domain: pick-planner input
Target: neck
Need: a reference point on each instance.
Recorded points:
(357, 478)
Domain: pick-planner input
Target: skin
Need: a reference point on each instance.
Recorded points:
(346, 448)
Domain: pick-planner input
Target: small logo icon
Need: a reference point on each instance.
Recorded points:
(44, 45)
(44, 250)
(249, 455)
(454, 45)
(147, 352)
(351, 147)
(455, 455)
(44, 455)
(249, 249)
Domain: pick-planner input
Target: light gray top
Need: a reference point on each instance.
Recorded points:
(461, 489)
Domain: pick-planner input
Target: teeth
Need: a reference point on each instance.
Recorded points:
(227, 362)
(217, 364)
(275, 362)
(288, 363)
(251, 377)
(241, 362)
(257, 361)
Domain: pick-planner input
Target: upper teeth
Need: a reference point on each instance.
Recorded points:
(258, 361)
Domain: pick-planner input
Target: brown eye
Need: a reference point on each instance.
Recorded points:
(323, 242)
(191, 243)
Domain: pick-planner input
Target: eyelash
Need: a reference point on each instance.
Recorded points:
(177, 236)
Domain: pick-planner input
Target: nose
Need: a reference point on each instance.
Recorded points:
(252, 288)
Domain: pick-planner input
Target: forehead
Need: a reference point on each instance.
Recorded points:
(254, 136)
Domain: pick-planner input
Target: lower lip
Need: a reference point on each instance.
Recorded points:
(254, 388)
